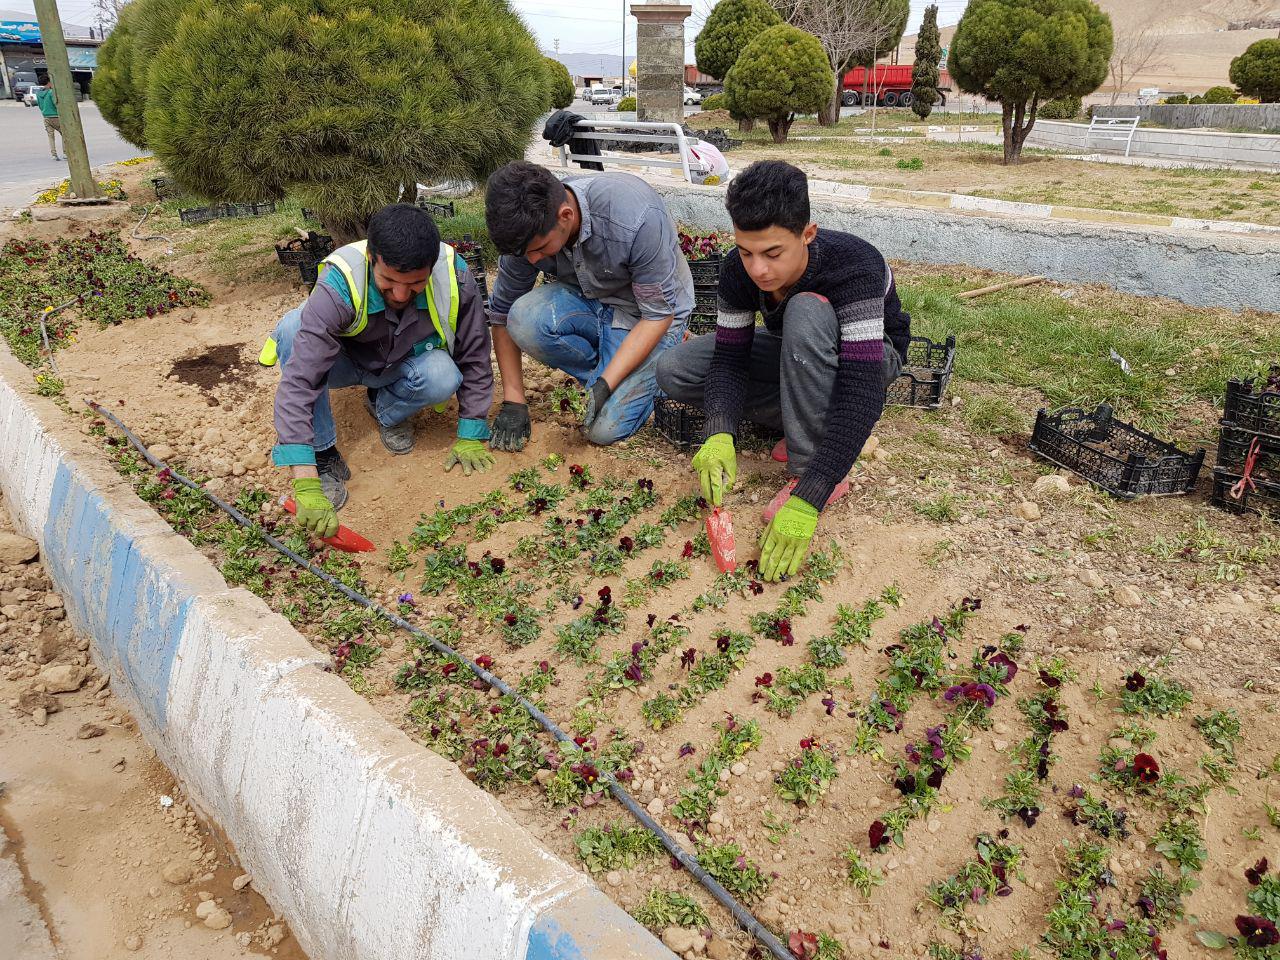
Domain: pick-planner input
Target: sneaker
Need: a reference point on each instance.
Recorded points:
(784, 495)
(334, 473)
(779, 451)
(397, 439)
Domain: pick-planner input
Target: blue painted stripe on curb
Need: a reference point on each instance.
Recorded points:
(136, 613)
(549, 941)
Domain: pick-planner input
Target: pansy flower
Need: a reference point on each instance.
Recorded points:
(877, 834)
(1145, 768)
(1258, 932)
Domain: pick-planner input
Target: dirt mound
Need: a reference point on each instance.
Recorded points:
(223, 364)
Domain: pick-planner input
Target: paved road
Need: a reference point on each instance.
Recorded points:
(27, 167)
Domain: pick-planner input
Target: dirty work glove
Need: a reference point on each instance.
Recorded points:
(596, 397)
(511, 427)
(717, 466)
(471, 455)
(786, 540)
(315, 513)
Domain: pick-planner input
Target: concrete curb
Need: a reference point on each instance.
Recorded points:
(371, 846)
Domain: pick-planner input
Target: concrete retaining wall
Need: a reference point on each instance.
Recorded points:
(372, 847)
(1263, 117)
(1201, 270)
(1249, 149)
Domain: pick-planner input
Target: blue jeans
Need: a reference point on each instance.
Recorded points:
(416, 382)
(559, 327)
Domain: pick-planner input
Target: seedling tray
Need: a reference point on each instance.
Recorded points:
(1233, 452)
(1263, 496)
(706, 271)
(225, 211)
(704, 302)
(475, 264)
(438, 210)
(698, 325)
(1114, 455)
(925, 375)
(1254, 404)
(682, 425)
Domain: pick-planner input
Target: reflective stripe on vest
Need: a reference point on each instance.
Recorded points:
(442, 297)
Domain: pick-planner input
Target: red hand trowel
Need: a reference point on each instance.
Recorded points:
(345, 539)
(720, 534)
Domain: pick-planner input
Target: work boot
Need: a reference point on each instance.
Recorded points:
(397, 439)
(334, 473)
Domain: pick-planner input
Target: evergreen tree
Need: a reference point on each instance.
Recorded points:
(924, 73)
(560, 82)
(1021, 53)
(782, 72)
(1257, 71)
(730, 26)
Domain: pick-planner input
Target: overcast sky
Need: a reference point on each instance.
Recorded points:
(581, 26)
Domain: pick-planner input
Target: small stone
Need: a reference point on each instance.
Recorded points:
(999, 745)
(719, 949)
(655, 807)
(613, 878)
(738, 769)
(1119, 743)
(63, 678)
(1054, 483)
(1193, 643)
(880, 456)
(242, 881)
(40, 716)
(244, 939)
(32, 700)
(678, 939)
(206, 905)
(218, 919)
(1028, 510)
(177, 872)
(1091, 579)
(1127, 596)
(1110, 634)
(162, 451)
(274, 936)
(15, 549)
(133, 943)
(871, 446)
(89, 730)
(934, 825)
(47, 646)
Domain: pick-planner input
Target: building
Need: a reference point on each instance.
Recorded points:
(22, 52)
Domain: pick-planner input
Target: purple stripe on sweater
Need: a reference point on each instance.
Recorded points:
(865, 351)
(735, 336)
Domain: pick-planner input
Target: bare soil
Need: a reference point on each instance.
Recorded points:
(97, 825)
(1202, 614)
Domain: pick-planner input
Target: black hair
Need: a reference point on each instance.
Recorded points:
(769, 193)
(521, 202)
(404, 237)
(42, 78)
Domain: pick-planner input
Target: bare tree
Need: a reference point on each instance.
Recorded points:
(847, 30)
(107, 12)
(1135, 51)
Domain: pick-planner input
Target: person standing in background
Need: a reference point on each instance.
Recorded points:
(48, 105)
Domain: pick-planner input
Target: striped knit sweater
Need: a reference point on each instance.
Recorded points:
(853, 276)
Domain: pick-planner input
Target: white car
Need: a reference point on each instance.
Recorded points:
(603, 96)
(692, 97)
(29, 98)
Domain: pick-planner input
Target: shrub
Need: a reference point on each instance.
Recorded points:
(1063, 108)
(1256, 72)
(627, 103)
(730, 26)
(782, 72)
(1177, 98)
(715, 102)
(560, 84)
(250, 102)
(1219, 95)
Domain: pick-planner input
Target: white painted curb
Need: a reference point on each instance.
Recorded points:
(371, 846)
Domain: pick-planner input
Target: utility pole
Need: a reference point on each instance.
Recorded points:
(59, 67)
(625, 72)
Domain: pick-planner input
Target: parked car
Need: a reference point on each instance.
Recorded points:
(692, 97)
(29, 99)
(24, 81)
(603, 96)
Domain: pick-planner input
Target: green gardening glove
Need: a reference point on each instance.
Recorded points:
(315, 513)
(786, 540)
(717, 467)
(471, 455)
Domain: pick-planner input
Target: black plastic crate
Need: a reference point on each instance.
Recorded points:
(706, 271)
(1234, 445)
(1261, 495)
(437, 209)
(309, 271)
(1254, 404)
(310, 215)
(249, 209)
(925, 375)
(699, 325)
(199, 214)
(475, 265)
(165, 188)
(304, 249)
(1114, 455)
(704, 304)
(682, 425)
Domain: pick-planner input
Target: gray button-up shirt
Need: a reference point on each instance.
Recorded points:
(627, 255)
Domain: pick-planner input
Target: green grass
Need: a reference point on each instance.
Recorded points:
(1035, 340)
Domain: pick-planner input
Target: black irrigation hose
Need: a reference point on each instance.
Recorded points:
(740, 913)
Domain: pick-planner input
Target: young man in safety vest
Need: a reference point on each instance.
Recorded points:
(399, 315)
(623, 297)
(834, 338)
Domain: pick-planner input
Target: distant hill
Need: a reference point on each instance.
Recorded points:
(1197, 46)
(591, 64)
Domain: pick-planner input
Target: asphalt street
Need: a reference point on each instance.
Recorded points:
(27, 167)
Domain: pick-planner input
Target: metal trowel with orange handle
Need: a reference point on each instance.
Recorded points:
(346, 539)
(720, 536)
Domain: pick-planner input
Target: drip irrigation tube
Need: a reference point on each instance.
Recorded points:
(740, 913)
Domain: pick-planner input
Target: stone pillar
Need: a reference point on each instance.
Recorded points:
(660, 60)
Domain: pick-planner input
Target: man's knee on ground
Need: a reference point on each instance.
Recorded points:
(682, 371)
(605, 432)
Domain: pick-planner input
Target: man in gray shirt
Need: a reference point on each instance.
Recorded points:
(622, 297)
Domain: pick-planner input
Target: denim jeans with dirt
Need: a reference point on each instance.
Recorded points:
(560, 327)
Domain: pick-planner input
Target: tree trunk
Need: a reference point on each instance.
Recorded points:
(1006, 126)
(829, 116)
(344, 232)
(780, 127)
(1016, 135)
(746, 126)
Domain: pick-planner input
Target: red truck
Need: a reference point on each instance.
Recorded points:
(890, 83)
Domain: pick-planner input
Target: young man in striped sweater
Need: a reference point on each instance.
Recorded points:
(835, 336)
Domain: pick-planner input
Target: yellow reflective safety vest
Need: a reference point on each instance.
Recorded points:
(441, 294)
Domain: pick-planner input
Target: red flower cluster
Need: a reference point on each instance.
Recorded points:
(1145, 768)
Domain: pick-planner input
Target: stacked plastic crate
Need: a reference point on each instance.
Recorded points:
(1247, 475)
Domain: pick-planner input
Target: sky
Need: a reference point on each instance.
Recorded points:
(581, 26)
